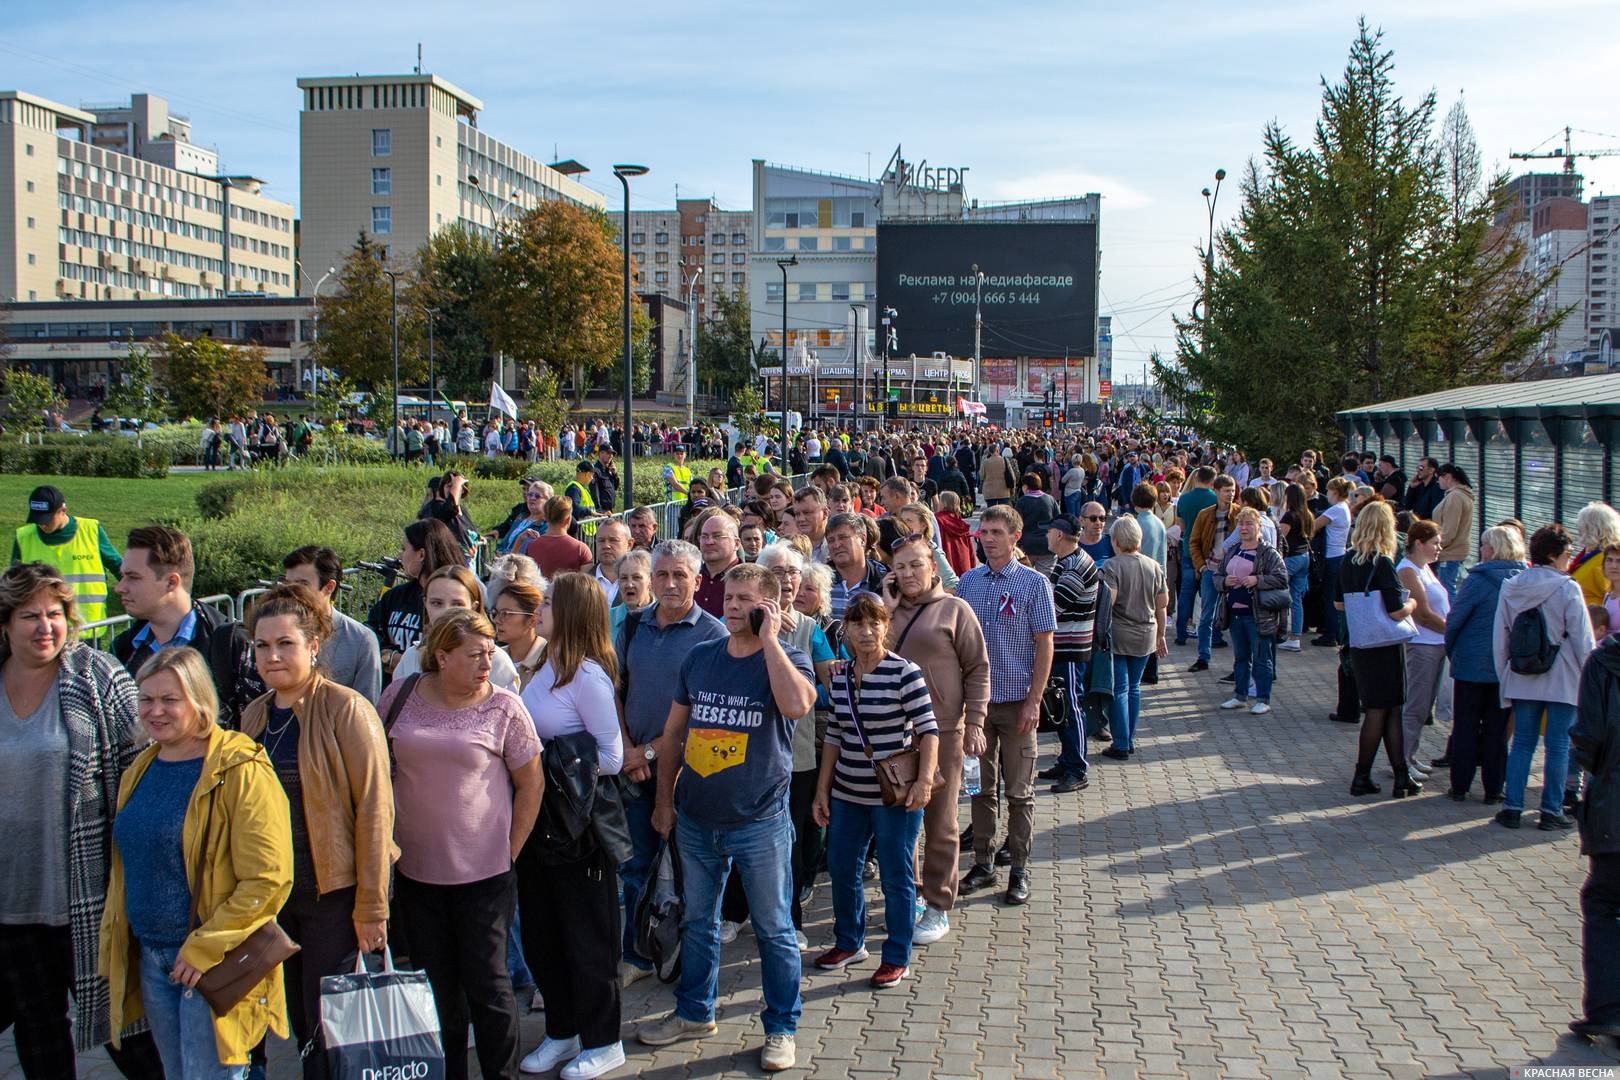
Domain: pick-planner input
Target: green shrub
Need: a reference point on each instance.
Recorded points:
(89, 455)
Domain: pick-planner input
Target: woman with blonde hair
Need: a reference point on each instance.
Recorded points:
(326, 745)
(1597, 528)
(570, 900)
(1380, 671)
(1334, 525)
(466, 793)
(1480, 721)
(68, 723)
(202, 858)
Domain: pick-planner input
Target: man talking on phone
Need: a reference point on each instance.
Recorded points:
(727, 804)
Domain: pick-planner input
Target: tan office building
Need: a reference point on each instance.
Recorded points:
(391, 156)
(82, 222)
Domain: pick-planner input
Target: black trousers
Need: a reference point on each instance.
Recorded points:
(572, 939)
(324, 929)
(1600, 939)
(808, 837)
(1348, 708)
(1479, 735)
(458, 936)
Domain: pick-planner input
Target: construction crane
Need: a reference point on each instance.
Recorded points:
(1569, 155)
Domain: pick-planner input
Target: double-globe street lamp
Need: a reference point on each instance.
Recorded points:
(627, 447)
(782, 442)
(393, 322)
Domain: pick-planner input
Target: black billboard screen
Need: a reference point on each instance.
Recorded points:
(1039, 296)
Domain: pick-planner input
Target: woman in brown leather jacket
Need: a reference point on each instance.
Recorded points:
(328, 748)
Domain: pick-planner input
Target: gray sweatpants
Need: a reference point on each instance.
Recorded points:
(1424, 666)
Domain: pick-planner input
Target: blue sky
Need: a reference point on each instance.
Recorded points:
(1141, 102)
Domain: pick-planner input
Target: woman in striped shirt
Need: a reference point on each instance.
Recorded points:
(881, 707)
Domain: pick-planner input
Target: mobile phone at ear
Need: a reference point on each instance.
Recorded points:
(756, 619)
(894, 588)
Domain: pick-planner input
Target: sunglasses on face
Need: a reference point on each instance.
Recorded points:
(1096, 517)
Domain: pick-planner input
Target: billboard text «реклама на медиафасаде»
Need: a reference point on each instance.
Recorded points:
(1039, 296)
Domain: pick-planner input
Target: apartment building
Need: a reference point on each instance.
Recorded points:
(87, 222)
(1558, 252)
(400, 157)
(695, 250)
(146, 129)
(1602, 266)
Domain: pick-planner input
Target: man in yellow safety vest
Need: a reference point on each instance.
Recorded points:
(677, 477)
(77, 547)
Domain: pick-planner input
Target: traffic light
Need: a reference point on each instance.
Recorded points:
(891, 408)
(1047, 419)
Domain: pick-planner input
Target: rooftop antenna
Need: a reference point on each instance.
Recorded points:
(419, 58)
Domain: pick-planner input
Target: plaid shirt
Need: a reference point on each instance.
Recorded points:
(1013, 604)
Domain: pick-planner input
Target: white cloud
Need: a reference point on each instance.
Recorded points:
(1058, 183)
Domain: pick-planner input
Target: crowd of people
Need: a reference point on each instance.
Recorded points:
(486, 775)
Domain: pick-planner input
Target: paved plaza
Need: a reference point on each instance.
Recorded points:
(1218, 906)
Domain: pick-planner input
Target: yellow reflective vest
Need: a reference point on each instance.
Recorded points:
(78, 561)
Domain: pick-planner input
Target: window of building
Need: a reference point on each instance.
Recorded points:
(807, 243)
(662, 258)
(30, 185)
(775, 243)
(30, 258)
(382, 142)
(739, 238)
(806, 290)
(790, 220)
(718, 239)
(719, 279)
(858, 290)
(28, 149)
(382, 220)
(438, 140)
(840, 290)
(857, 219)
(638, 238)
(30, 223)
(661, 238)
(739, 258)
(662, 277)
(382, 181)
(738, 279)
(841, 243)
(773, 291)
(719, 258)
(641, 257)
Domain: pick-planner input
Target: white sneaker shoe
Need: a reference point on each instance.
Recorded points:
(933, 925)
(552, 1053)
(1259, 708)
(595, 1062)
(779, 1052)
(728, 931)
(1289, 646)
(630, 974)
(804, 942)
(1234, 702)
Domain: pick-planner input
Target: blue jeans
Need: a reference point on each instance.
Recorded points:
(1072, 734)
(1126, 709)
(850, 830)
(1072, 502)
(1251, 655)
(1185, 594)
(1299, 580)
(762, 853)
(517, 968)
(1526, 732)
(634, 871)
(1208, 596)
(182, 1023)
(1448, 573)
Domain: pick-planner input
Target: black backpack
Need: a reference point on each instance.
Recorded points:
(659, 912)
(1531, 649)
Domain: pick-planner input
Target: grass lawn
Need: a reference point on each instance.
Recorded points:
(120, 505)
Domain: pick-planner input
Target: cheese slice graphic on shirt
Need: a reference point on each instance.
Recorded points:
(712, 750)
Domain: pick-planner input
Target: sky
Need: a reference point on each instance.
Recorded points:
(1139, 102)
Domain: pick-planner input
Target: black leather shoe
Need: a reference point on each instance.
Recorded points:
(1018, 887)
(1199, 665)
(1556, 822)
(1070, 783)
(1324, 640)
(1592, 1029)
(1003, 855)
(965, 840)
(1337, 719)
(1228, 678)
(1457, 795)
(1492, 800)
(1116, 754)
(1362, 784)
(1219, 644)
(977, 877)
(1056, 772)
(1508, 819)
(1441, 762)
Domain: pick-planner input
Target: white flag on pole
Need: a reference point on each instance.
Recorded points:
(501, 401)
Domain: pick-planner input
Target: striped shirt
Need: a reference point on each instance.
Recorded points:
(895, 711)
(1013, 605)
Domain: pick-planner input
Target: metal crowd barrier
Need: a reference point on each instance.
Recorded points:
(100, 634)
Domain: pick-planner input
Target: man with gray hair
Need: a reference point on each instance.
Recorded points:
(651, 645)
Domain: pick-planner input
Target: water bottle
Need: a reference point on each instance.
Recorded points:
(970, 776)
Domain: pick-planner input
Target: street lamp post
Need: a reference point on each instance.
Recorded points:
(1210, 199)
(432, 397)
(627, 447)
(393, 319)
(691, 346)
(889, 341)
(978, 326)
(495, 219)
(783, 264)
(315, 372)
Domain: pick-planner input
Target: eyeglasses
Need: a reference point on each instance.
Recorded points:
(508, 613)
(1096, 517)
(785, 571)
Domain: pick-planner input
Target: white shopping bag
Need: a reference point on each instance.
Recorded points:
(380, 1026)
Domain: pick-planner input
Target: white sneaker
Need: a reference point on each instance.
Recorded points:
(1259, 708)
(552, 1053)
(804, 942)
(779, 1052)
(1289, 646)
(933, 925)
(630, 974)
(1234, 702)
(1419, 771)
(728, 931)
(595, 1062)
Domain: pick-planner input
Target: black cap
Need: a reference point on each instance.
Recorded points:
(1064, 524)
(44, 501)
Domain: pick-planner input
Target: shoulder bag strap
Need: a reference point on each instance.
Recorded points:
(397, 706)
(855, 713)
(632, 623)
(907, 631)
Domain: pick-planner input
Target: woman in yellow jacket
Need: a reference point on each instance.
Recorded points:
(1597, 529)
(205, 823)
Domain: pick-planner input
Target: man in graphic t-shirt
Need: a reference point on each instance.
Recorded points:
(729, 731)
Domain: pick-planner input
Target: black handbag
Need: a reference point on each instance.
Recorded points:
(581, 811)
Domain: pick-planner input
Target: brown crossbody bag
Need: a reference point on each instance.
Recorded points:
(895, 773)
(245, 966)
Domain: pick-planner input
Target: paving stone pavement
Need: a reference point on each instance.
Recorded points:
(1217, 907)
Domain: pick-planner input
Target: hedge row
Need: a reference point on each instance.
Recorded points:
(87, 456)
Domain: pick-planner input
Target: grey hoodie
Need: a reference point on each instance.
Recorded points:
(1560, 600)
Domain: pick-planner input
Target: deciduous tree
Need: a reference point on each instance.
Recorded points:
(454, 274)
(205, 378)
(724, 349)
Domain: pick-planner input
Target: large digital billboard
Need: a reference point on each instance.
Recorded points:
(1039, 296)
